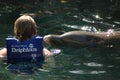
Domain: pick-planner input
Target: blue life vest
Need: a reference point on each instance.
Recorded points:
(25, 51)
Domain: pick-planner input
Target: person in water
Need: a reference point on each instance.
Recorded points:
(24, 29)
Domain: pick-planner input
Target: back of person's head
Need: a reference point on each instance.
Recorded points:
(25, 27)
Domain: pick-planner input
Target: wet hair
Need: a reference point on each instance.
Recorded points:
(25, 27)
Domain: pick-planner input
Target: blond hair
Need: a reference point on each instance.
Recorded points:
(25, 27)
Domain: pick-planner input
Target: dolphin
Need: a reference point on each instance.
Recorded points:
(82, 38)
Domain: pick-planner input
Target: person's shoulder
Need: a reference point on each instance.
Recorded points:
(38, 36)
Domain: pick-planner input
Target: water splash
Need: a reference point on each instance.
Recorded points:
(109, 32)
(89, 28)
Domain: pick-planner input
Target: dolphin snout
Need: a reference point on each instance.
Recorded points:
(47, 39)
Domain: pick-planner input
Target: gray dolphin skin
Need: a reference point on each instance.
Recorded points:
(83, 38)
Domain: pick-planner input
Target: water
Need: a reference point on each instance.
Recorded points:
(88, 63)
(71, 64)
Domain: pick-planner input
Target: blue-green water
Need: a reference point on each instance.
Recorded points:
(87, 63)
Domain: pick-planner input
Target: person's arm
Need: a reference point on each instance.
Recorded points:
(46, 52)
(3, 53)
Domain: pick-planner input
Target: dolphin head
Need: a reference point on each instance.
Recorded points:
(53, 40)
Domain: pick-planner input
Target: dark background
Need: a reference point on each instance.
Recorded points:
(11, 9)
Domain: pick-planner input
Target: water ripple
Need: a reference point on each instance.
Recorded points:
(86, 72)
(93, 64)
